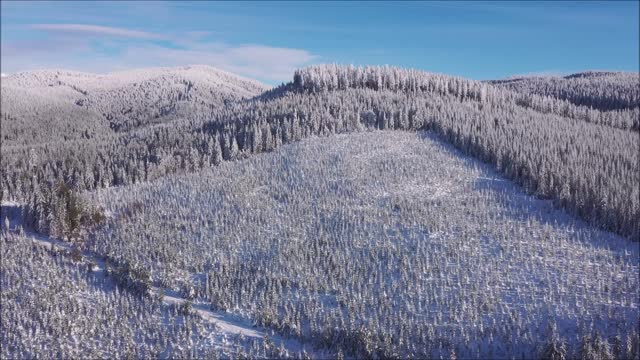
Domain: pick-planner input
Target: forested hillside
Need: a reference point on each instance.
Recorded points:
(381, 244)
(55, 306)
(367, 212)
(75, 105)
(599, 90)
(553, 148)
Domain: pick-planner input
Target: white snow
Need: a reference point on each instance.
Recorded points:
(99, 82)
(228, 325)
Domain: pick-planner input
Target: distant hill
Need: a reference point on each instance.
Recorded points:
(88, 104)
(602, 90)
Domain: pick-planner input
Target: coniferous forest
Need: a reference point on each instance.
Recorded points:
(353, 212)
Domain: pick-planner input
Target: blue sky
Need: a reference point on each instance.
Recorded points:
(267, 40)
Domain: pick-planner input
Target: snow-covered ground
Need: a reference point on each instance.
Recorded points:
(380, 243)
(39, 105)
(99, 82)
(218, 332)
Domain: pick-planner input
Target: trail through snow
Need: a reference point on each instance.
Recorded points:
(225, 322)
(228, 325)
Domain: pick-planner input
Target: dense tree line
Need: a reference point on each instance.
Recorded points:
(335, 77)
(61, 213)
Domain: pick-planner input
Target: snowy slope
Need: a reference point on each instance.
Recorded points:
(387, 244)
(41, 115)
(117, 101)
(603, 90)
(47, 272)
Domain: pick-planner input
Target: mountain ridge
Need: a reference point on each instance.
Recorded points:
(122, 100)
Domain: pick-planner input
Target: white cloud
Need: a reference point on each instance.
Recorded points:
(256, 61)
(69, 48)
(97, 30)
(3, 75)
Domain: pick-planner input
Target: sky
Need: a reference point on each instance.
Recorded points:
(268, 40)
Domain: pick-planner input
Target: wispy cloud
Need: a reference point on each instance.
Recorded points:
(97, 30)
(102, 49)
(256, 61)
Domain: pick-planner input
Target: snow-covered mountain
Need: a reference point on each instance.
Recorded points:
(87, 104)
